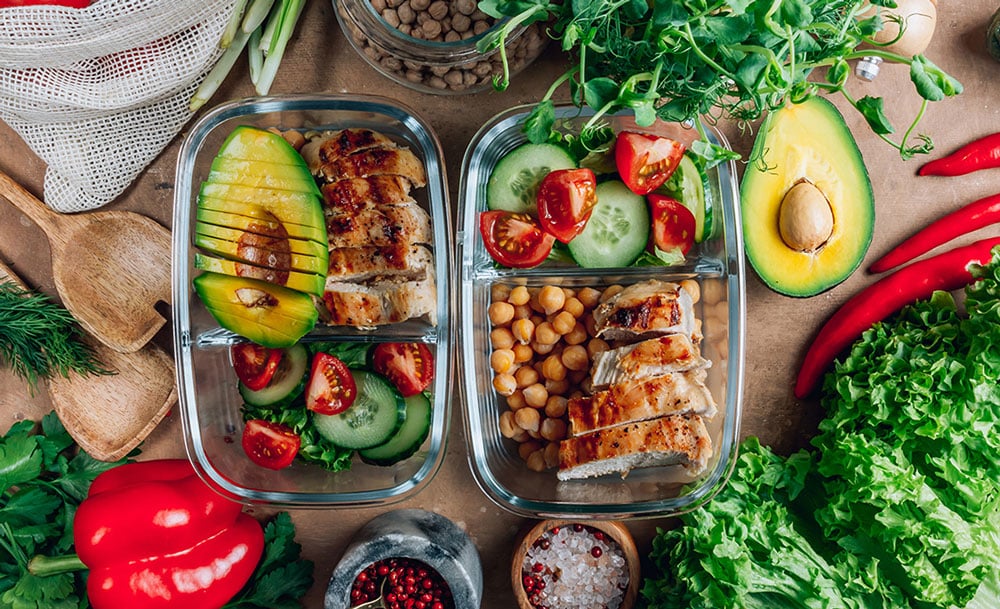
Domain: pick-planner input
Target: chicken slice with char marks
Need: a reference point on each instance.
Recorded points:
(645, 309)
(641, 400)
(651, 357)
(374, 162)
(331, 145)
(381, 226)
(360, 264)
(348, 196)
(379, 302)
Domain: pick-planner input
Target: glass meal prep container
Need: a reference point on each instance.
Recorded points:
(716, 264)
(209, 399)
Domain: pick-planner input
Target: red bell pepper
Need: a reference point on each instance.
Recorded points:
(983, 153)
(154, 535)
(947, 271)
(973, 216)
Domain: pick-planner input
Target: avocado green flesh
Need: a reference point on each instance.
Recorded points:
(254, 218)
(297, 246)
(254, 144)
(806, 141)
(278, 318)
(265, 177)
(261, 256)
(310, 283)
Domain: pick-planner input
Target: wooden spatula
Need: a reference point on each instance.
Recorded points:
(110, 267)
(109, 415)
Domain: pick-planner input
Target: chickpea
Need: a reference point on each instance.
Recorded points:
(502, 360)
(500, 313)
(553, 430)
(528, 447)
(589, 297)
(591, 325)
(557, 387)
(523, 353)
(551, 299)
(555, 406)
(563, 323)
(524, 376)
(501, 338)
(504, 384)
(574, 307)
(508, 427)
(546, 334)
(528, 419)
(597, 345)
(553, 368)
(521, 436)
(536, 461)
(578, 335)
(499, 291)
(575, 358)
(543, 348)
(522, 312)
(551, 453)
(692, 288)
(610, 291)
(522, 330)
(536, 395)
(515, 401)
(519, 296)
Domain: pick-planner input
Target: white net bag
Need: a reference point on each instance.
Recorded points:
(99, 92)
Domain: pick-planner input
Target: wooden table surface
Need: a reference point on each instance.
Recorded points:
(319, 60)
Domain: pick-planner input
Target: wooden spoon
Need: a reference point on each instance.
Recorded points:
(109, 415)
(110, 267)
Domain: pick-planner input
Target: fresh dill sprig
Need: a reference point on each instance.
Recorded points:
(40, 339)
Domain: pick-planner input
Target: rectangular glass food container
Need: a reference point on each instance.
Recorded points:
(716, 264)
(209, 399)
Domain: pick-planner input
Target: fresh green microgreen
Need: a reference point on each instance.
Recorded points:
(705, 60)
(40, 339)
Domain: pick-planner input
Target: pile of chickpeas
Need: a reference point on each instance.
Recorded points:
(544, 342)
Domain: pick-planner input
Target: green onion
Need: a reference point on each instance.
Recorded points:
(218, 73)
(256, 14)
(289, 18)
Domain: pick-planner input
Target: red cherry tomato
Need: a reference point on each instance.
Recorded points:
(565, 199)
(410, 366)
(646, 161)
(255, 365)
(513, 239)
(673, 224)
(270, 445)
(331, 388)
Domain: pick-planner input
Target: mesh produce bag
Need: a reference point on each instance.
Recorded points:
(99, 92)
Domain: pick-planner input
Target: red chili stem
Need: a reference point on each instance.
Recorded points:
(948, 271)
(983, 153)
(973, 216)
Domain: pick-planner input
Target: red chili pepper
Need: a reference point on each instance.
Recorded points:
(983, 153)
(973, 216)
(154, 535)
(947, 271)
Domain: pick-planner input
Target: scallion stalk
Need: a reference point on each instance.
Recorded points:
(289, 18)
(256, 13)
(213, 80)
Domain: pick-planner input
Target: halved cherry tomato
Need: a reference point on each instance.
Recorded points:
(646, 161)
(270, 445)
(513, 239)
(331, 388)
(673, 224)
(565, 199)
(255, 365)
(410, 366)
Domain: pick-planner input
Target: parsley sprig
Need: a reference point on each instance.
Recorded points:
(702, 60)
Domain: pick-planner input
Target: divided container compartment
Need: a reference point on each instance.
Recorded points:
(208, 395)
(716, 264)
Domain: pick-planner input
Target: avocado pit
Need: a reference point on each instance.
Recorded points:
(805, 217)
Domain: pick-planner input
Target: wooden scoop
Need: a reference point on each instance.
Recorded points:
(110, 267)
(109, 415)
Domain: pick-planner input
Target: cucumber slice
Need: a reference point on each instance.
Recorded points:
(288, 382)
(690, 185)
(374, 417)
(513, 185)
(617, 231)
(409, 437)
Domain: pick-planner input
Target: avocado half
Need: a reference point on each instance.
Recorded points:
(807, 203)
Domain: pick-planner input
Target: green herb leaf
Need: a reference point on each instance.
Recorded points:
(282, 578)
(873, 109)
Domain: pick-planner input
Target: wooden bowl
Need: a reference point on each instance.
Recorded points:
(613, 529)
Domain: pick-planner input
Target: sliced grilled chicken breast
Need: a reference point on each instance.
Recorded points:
(361, 264)
(379, 303)
(380, 226)
(329, 146)
(641, 400)
(348, 196)
(671, 440)
(646, 309)
(651, 357)
(373, 162)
